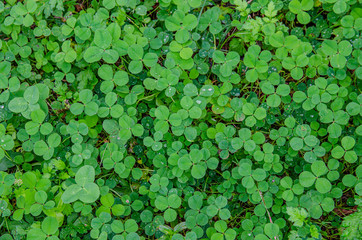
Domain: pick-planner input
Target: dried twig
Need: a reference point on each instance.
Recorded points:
(270, 219)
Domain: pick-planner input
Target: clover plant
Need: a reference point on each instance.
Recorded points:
(180, 119)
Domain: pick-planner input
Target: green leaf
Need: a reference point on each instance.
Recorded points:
(85, 174)
(348, 142)
(170, 215)
(36, 234)
(135, 66)
(296, 143)
(50, 225)
(38, 116)
(71, 194)
(93, 54)
(319, 168)
(323, 185)
(307, 179)
(40, 148)
(135, 52)
(198, 171)
(89, 193)
(161, 203)
(18, 105)
(102, 38)
(162, 113)
(297, 216)
(150, 59)
(186, 53)
(31, 94)
(271, 229)
(273, 100)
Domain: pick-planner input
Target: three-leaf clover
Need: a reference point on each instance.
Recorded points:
(318, 169)
(84, 188)
(100, 48)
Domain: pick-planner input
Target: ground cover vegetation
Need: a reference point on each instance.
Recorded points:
(180, 119)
